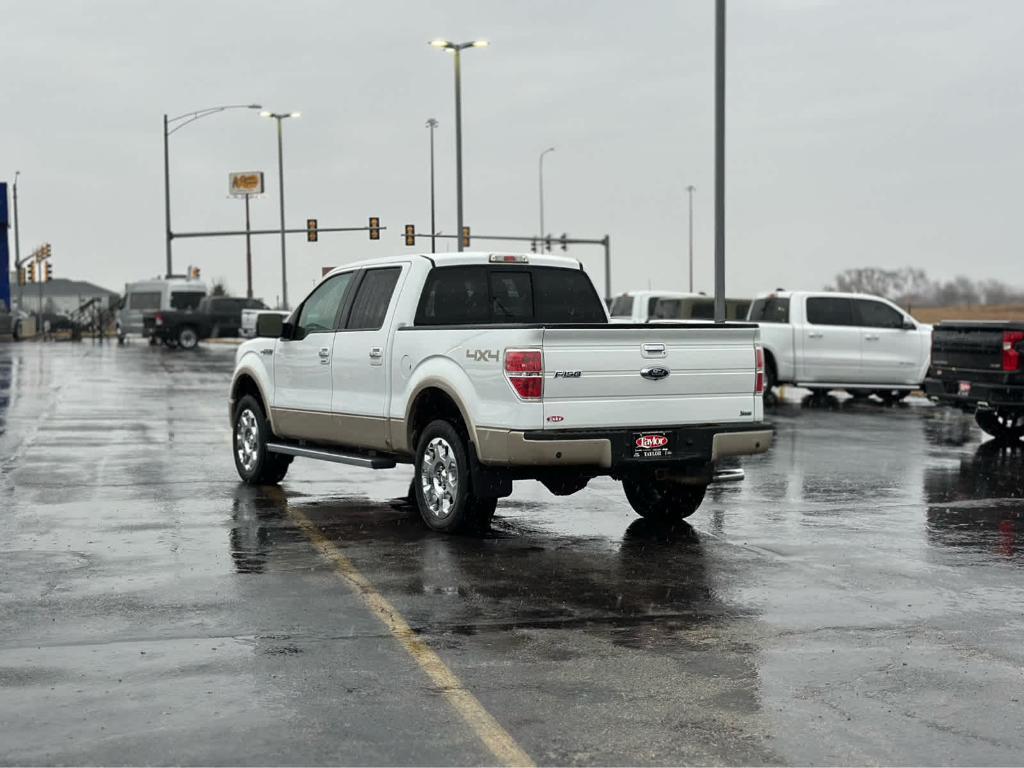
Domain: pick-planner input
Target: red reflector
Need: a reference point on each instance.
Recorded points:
(1011, 355)
(523, 361)
(528, 387)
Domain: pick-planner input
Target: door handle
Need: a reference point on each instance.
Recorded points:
(814, 335)
(325, 353)
(376, 353)
(870, 337)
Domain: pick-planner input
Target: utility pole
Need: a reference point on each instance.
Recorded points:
(690, 189)
(719, 161)
(540, 174)
(248, 250)
(17, 245)
(432, 124)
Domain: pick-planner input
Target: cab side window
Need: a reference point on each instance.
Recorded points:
(875, 314)
(321, 309)
(826, 310)
(370, 305)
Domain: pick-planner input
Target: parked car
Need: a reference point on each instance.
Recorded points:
(978, 367)
(213, 317)
(247, 328)
(176, 293)
(481, 369)
(859, 343)
(649, 306)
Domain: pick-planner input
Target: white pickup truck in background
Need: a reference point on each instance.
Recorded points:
(482, 369)
(653, 306)
(859, 343)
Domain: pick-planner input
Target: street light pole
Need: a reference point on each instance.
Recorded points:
(457, 48)
(540, 174)
(180, 122)
(690, 189)
(432, 124)
(280, 117)
(719, 161)
(17, 243)
(248, 251)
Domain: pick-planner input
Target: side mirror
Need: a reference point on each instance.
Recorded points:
(288, 330)
(270, 325)
(909, 325)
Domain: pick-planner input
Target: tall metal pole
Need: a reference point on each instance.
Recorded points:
(432, 124)
(719, 161)
(458, 140)
(167, 196)
(17, 244)
(540, 174)
(248, 252)
(280, 181)
(690, 190)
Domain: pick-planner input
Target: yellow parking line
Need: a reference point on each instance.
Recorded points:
(490, 732)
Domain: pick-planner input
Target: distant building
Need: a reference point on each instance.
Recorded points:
(60, 295)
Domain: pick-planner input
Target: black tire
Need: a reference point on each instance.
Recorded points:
(253, 462)
(188, 337)
(820, 392)
(1003, 425)
(662, 500)
(443, 482)
(892, 396)
(770, 379)
(859, 394)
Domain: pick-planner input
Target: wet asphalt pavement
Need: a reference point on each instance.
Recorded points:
(858, 599)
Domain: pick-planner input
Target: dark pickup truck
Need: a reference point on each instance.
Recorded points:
(978, 367)
(214, 317)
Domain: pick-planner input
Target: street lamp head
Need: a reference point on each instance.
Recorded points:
(295, 114)
(264, 113)
(439, 43)
(480, 43)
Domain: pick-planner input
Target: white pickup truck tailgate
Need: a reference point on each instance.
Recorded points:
(609, 377)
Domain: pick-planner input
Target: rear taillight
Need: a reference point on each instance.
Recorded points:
(524, 369)
(759, 369)
(1011, 355)
(158, 320)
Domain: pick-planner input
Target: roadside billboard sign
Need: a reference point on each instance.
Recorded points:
(242, 183)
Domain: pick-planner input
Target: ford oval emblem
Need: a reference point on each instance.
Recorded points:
(655, 374)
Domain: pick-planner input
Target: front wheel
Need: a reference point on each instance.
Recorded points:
(1003, 425)
(253, 462)
(662, 500)
(893, 396)
(443, 483)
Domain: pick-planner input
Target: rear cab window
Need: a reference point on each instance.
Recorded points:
(486, 295)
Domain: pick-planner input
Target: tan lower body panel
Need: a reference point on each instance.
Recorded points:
(740, 443)
(331, 428)
(502, 446)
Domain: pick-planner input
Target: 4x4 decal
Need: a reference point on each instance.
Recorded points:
(482, 355)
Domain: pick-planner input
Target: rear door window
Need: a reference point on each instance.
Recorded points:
(875, 314)
(185, 299)
(772, 310)
(370, 306)
(828, 310)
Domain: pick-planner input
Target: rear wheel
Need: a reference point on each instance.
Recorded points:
(443, 483)
(859, 394)
(253, 462)
(188, 337)
(1003, 425)
(662, 500)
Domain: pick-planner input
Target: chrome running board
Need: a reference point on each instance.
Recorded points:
(727, 476)
(339, 457)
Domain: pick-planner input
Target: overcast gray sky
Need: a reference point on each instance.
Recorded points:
(860, 132)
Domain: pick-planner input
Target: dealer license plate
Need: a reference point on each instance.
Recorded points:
(651, 445)
(965, 388)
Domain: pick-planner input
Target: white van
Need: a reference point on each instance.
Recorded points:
(154, 295)
(652, 306)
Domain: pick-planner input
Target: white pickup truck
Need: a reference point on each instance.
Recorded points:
(654, 306)
(480, 369)
(856, 342)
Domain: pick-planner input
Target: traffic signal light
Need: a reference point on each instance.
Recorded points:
(565, 245)
(32, 272)
(311, 234)
(410, 234)
(195, 273)
(465, 237)
(533, 246)
(46, 250)
(49, 272)
(21, 275)
(547, 244)
(375, 227)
